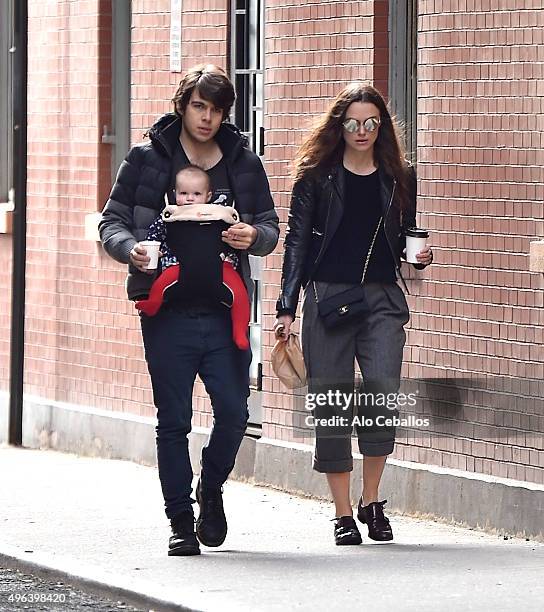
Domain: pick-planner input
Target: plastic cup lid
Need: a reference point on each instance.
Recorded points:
(417, 232)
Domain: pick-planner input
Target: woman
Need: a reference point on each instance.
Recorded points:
(353, 198)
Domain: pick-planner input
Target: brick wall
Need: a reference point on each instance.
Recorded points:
(478, 313)
(204, 39)
(480, 163)
(481, 187)
(82, 338)
(82, 345)
(312, 50)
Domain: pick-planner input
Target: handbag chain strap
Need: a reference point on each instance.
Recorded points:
(366, 262)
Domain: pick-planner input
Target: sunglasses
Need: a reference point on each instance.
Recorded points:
(354, 125)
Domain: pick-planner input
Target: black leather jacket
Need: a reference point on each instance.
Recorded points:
(314, 216)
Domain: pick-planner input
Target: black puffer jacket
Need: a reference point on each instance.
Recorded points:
(137, 196)
(314, 216)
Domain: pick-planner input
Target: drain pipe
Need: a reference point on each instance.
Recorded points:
(19, 55)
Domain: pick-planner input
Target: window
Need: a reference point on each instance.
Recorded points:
(247, 74)
(119, 136)
(247, 51)
(6, 111)
(403, 68)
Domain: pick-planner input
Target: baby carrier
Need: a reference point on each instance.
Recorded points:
(194, 235)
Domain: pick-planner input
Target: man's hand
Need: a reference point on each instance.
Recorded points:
(240, 236)
(282, 327)
(139, 258)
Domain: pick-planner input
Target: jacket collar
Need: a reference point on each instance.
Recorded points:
(165, 134)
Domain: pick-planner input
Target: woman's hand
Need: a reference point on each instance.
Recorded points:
(240, 236)
(425, 256)
(282, 327)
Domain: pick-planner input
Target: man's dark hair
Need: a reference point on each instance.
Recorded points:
(213, 85)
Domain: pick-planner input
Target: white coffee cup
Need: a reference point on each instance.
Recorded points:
(152, 250)
(416, 240)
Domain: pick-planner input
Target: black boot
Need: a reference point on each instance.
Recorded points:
(183, 540)
(378, 525)
(211, 526)
(345, 531)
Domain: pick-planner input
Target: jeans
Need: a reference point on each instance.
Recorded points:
(179, 344)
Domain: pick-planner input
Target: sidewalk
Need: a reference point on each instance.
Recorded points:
(101, 522)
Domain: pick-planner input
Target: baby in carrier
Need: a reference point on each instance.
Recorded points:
(193, 263)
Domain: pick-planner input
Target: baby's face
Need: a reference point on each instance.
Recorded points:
(192, 189)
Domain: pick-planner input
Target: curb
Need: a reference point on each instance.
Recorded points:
(88, 579)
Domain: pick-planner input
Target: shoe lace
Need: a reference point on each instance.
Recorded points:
(381, 516)
(342, 529)
(378, 514)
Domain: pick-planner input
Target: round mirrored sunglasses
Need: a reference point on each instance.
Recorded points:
(354, 125)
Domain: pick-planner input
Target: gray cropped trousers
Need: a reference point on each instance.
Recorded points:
(376, 341)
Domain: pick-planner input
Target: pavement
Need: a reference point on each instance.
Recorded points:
(99, 524)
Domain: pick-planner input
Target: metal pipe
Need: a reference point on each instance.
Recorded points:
(19, 55)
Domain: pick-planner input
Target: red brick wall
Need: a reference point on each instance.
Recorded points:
(83, 343)
(380, 63)
(480, 192)
(312, 51)
(204, 40)
(479, 310)
(77, 333)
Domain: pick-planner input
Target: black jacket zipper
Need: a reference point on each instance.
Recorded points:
(397, 267)
(324, 233)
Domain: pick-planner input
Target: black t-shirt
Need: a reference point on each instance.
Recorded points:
(344, 259)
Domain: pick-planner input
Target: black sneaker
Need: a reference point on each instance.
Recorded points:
(345, 531)
(211, 526)
(378, 525)
(183, 540)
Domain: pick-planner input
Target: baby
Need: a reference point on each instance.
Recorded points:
(192, 187)
(193, 263)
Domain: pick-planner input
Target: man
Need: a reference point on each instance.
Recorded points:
(191, 337)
